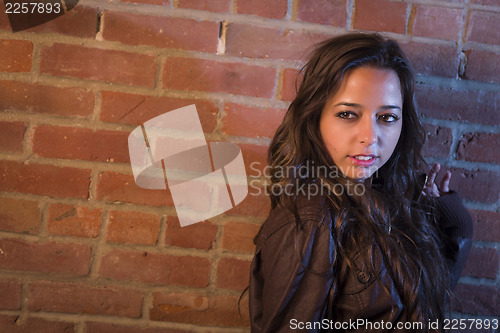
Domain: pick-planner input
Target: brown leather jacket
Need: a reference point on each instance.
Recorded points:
(291, 277)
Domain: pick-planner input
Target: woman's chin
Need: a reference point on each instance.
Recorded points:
(359, 173)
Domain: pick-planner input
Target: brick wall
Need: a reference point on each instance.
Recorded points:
(83, 249)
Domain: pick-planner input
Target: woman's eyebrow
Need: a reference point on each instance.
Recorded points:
(356, 105)
(389, 107)
(352, 105)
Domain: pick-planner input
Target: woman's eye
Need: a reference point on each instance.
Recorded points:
(346, 115)
(389, 118)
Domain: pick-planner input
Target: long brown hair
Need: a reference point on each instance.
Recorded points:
(390, 218)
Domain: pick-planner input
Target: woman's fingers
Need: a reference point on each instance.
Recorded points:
(445, 183)
(430, 187)
(431, 176)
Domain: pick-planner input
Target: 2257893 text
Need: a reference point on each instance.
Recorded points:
(32, 7)
(471, 323)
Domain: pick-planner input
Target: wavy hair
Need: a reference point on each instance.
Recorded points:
(390, 218)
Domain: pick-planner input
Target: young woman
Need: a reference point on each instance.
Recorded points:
(356, 240)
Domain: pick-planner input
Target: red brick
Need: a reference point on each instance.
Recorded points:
(134, 109)
(432, 59)
(11, 295)
(208, 75)
(486, 225)
(70, 220)
(44, 179)
(476, 185)
(323, 12)
(80, 298)
(380, 15)
(438, 141)
(255, 158)
(292, 78)
(218, 6)
(483, 66)
(479, 147)
(437, 22)
(78, 22)
(15, 55)
(221, 311)
(477, 300)
(78, 143)
(11, 324)
(258, 42)
(242, 120)
(238, 237)
(480, 27)
(93, 327)
(25, 97)
(133, 227)
(256, 203)
(19, 215)
(199, 236)
(233, 273)
(482, 263)
(47, 257)
(156, 268)
(455, 105)
(11, 136)
(119, 187)
(149, 2)
(271, 8)
(95, 64)
(162, 32)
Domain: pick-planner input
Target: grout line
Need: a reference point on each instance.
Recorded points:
(98, 249)
(160, 243)
(44, 232)
(291, 12)
(221, 41)
(462, 38)
(411, 12)
(25, 296)
(233, 7)
(351, 12)
(99, 25)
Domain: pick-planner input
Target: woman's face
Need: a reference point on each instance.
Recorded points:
(361, 124)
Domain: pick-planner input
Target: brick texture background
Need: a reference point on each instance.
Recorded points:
(83, 249)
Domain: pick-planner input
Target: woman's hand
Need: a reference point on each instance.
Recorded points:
(430, 188)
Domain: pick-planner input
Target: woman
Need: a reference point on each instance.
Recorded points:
(356, 239)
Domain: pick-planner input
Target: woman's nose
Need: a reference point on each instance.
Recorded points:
(368, 132)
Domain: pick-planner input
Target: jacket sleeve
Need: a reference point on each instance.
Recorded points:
(455, 223)
(291, 276)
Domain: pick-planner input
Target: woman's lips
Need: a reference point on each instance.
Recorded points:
(363, 160)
